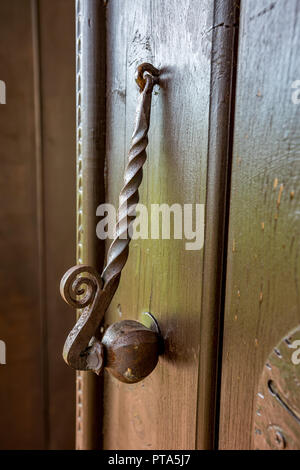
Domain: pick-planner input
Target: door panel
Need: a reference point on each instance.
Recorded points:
(245, 174)
(262, 292)
(37, 216)
(19, 273)
(57, 59)
(161, 276)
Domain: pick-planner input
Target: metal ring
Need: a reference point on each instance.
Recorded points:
(142, 68)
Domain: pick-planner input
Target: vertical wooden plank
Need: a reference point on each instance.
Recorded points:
(116, 27)
(161, 276)
(223, 72)
(22, 405)
(37, 151)
(262, 293)
(57, 70)
(90, 89)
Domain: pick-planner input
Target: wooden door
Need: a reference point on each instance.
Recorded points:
(224, 133)
(37, 216)
(175, 406)
(161, 276)
(262, 288)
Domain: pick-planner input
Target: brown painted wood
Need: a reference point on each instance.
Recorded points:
(262, 293)
(91, 126)
(22, 413)
(223, 74)
(160, 275)
(37, 145)
(57, 64)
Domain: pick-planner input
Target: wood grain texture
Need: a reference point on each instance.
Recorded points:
(22, 413)
(57, 65)
(37, 242)
(160, 275)
(91, 125)
(262, 302)
(223, 75)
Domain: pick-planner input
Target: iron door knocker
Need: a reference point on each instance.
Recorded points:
(128, 349)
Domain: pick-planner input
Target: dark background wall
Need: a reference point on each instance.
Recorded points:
(37, 221)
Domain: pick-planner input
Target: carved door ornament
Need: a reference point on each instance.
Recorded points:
(277, 407)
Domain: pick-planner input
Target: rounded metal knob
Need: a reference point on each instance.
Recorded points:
(131, 350)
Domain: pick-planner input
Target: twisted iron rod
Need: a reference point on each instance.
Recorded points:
(147, 77)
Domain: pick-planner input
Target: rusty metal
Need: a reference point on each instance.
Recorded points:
(131, 350)
(129, 196)
(277, 406)
(82, 350)
(82, 287)
(142, 69)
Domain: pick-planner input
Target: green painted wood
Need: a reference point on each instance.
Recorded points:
(262, 293)
(161, 276)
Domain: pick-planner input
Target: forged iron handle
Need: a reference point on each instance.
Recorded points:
(83, 288)
(146, 78)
